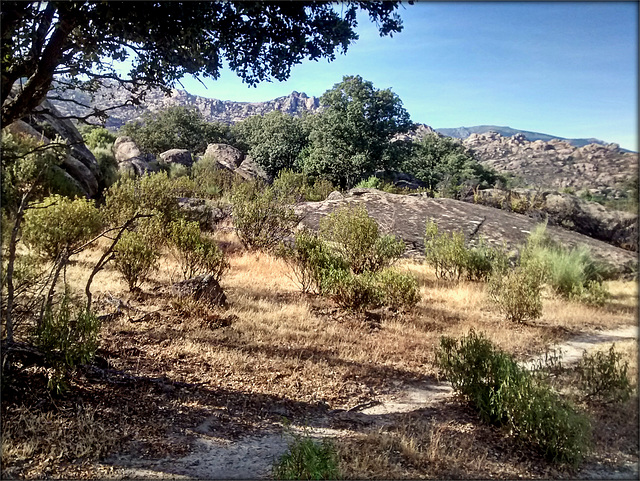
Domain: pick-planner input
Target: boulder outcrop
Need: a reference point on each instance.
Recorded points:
(177, 156)
(228, 157)
(80, 166)
(556, 163)
(406, 216)
(131, 161)
(569, 211)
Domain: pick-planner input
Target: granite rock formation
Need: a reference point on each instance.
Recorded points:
(406, 216)
(556, 163)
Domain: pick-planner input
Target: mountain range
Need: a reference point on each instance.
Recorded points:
(230, 112)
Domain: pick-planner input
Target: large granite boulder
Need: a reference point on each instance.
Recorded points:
(131, 160)
(125, 148)
(80, 166)
(203, 288)
(203, 211)
(249, 170)
(177, 156)
(567, 210)
(406, 216)
(225, 155)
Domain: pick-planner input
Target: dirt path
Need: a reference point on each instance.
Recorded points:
(252, 457)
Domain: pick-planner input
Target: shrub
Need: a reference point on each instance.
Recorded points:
(482, 260)
(67, 339)
(196, 253)
(108, 166)
(398, 290)
(603, 376)
(446, 252)
(571, 273)
(507, 395)
(309, 257)
(353, 291)
(356, 239)
(152, 194)
(517, 292)
(262, 219)
(319, 191)
(211, 180)
(135, 257)
(290, 185)
(60, 224)
(308, 459)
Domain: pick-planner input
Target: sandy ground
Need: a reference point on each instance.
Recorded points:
(252, 457)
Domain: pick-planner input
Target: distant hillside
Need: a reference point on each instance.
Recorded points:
(226, 111)
(464, 132)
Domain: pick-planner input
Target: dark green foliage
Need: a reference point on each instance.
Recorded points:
(177, 127)
(261, 217)
(483, 259)
(274, 140)
(300, 187)
(97, 137)
(308, 459)
(60, 224)
(258, 41)
(135, 256)
(67, 338)
(27, 164)
(196, 253)
(211, 181)
(603, 376)
(507, 395)
(398, 290)
(352, 291)
(355, 237)
(351, 138)
(153, 194)
(444, 165)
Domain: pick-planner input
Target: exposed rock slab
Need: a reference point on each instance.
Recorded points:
(406, 216)
(567, 210)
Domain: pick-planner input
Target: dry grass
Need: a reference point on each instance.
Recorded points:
(275, 346)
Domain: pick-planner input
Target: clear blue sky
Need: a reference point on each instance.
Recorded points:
(566, 69)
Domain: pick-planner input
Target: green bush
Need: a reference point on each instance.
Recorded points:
(507, 395)
(108, 166)
(67, 339)
(309, 257)
(211, 180)
(353, 291)
(354, 236)
(195, 253)
(571, 273)
(445, 252)
(290, 185)
(262, 219)
(517, 292)
(603, 376)
(482, 260)
(152, 194)
(398, 290)
(308, 459)
(59, 223)
(135, 257)
(319, 191)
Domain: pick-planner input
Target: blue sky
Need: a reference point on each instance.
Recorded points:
(566, 69)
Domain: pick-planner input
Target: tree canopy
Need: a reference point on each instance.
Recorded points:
(74, 43)
(351, 138)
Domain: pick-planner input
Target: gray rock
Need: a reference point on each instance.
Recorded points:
(136, 166)
(81, 165)
(406, 216)
(203, 211)
(335, 195)
(177, 156)
(125, 148)
(226, 155)
(250, 170)
(203, 288)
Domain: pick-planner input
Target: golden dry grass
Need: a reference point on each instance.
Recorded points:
(274, 341)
